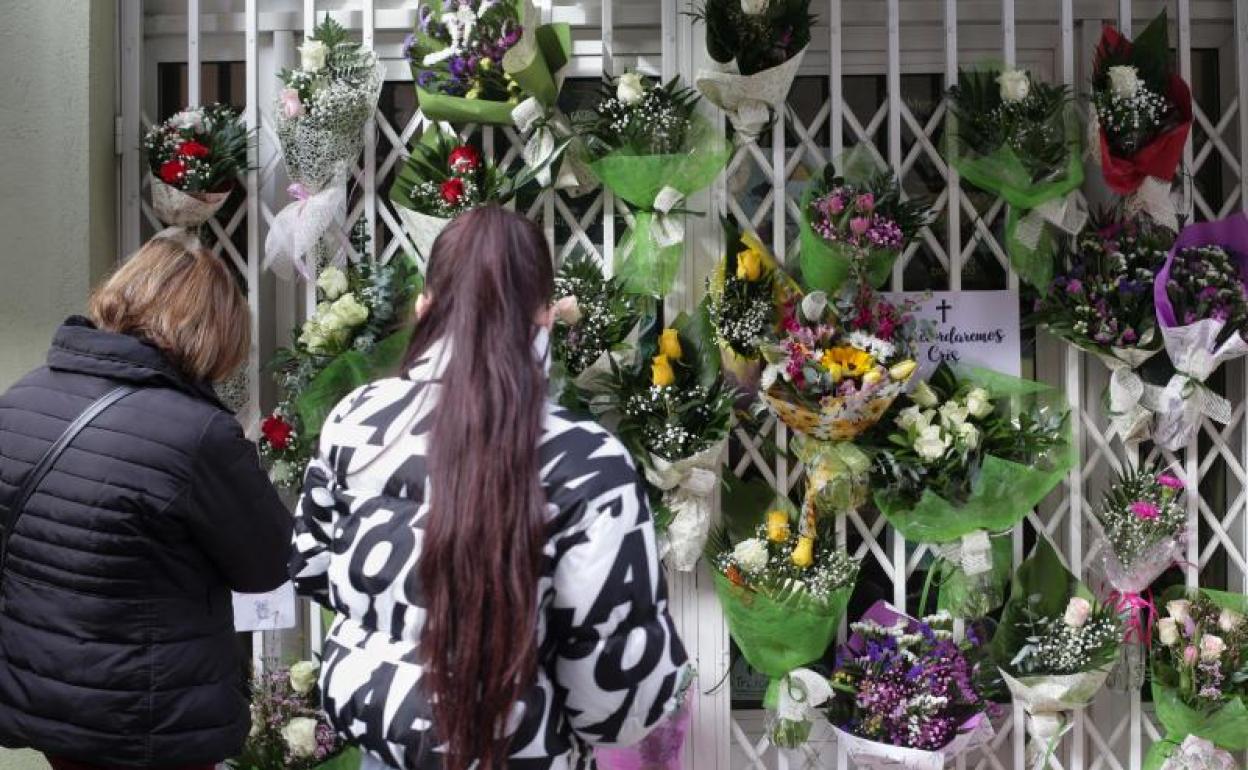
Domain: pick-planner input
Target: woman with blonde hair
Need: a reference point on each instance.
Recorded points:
(131, 504)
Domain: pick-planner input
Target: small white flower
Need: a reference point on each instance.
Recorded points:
(1180, 610)
(978, 404)
(332, 282)
(931, 443)
(1168, 631)
(753, 7)
(923, 395)
(630, 88)
(300, 736)
(312, 56)
(751, 554)
(1124, 80)
(914, 417)
(1015, 85)
(1077, 612)
(1211, 647)
(968, 434)
(188, 119)
(303, 676)
(282, 473)
(1229, 620)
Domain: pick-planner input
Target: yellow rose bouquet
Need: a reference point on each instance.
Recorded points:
(673, 411)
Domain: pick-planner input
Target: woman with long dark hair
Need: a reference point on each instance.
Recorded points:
(491, 558)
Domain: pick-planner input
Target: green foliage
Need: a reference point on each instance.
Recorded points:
(657, 124)
(1033, 128)
(757, 41)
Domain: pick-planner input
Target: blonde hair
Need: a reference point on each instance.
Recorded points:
(176, 295)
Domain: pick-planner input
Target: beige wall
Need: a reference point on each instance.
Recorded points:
(58, 180)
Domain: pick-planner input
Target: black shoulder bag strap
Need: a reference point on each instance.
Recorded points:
(31, 482)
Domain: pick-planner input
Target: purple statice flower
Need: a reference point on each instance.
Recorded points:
(1074, 286)
(1208, 293)
(885, 234)
(425, 78)
(409, 43)
(1190, 317)
(1129, 336)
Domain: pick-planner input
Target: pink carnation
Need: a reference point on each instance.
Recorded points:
(1171, 482)
(1145, 510)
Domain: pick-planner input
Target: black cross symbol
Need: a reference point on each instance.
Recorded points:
(944, 307)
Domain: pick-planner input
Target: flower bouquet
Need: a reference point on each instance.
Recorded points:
(674, 416)
(1054, 646)
(757, 46)
(1103, 304)
(1142, 524)
(1200, 656)
(288, 729)
(831, 375)
(856, 217)
(970, 454)
(320, 110)
(1143, 113)
(593, 318)
(905, 693)
(1202, 308)
(743, 299)
(193, 161)
(442, 178)
(645, 143)
(783, 595)
(1019, 139)
(350, 340)
(475, 61)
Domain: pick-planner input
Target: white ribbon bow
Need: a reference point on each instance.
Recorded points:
(1197, 753)
(1048, 701)
(688, 487)
(1068, 214)
(667, 228)
(1195, 352)
(1153, 198)
(541, 148)
(1131, 400)
(973, 553)
(296, 233)
(800, 694)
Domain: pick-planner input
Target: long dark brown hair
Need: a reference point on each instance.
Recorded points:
(489, 278)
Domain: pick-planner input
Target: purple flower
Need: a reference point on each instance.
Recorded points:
(425, 78)
(1074, 286)
(1129, 336)
(1169, 481)
(1145, 510)
(1208, 293)
(1190, 317)
(836, 204)
(859, 225)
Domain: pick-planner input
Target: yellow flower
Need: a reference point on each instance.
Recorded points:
(777, 526)
(804, 554)
(902, 371)
(486, 64)
(871, 377)
(473, 93)
(661, 373)
(749, 265)
(852, 361)
(669, 344)
(835, 370)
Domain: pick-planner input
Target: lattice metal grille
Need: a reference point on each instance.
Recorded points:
(874, 75)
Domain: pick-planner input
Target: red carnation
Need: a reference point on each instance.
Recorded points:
(193, 149)
(464, 158)
(277, 432)
(453, 191)
(172, 171)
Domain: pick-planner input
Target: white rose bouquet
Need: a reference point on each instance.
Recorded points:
(757, 46)
(1054, 646)
(320, 108)
(288, 729)
(966, 454)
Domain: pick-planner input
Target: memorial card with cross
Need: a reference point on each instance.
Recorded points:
(973, 328)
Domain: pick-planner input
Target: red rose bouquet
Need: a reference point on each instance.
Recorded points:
(1143, 115)
(194, 159)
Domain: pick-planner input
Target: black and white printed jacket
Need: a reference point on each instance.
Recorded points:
(611, 661)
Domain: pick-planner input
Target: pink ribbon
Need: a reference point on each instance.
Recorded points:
(1137, 630)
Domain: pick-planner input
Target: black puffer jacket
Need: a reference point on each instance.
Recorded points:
(117, 637)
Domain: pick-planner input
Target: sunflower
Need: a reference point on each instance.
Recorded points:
(851, 362)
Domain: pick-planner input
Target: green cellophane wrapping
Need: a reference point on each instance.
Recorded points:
(1000, 497)
(826, 266)
(958, 593)
(347, 372)
(533, 63)
(1002, 173)
(1226, 726)
(641, 264)
(778, 636)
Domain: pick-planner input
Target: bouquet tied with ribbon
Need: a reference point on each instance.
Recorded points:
(1141, 523)
(854, 223)
(1202, 309)
(674, 412)
(970, 453)
(354, 337)
(645, 143)
(1054, 647)
(1200, 676)
(194, 159)
(321, 109)
(757, 47)
(1102, 303)
(1019, 139)
(906, 694)
(1142, 114)
(783, 595)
